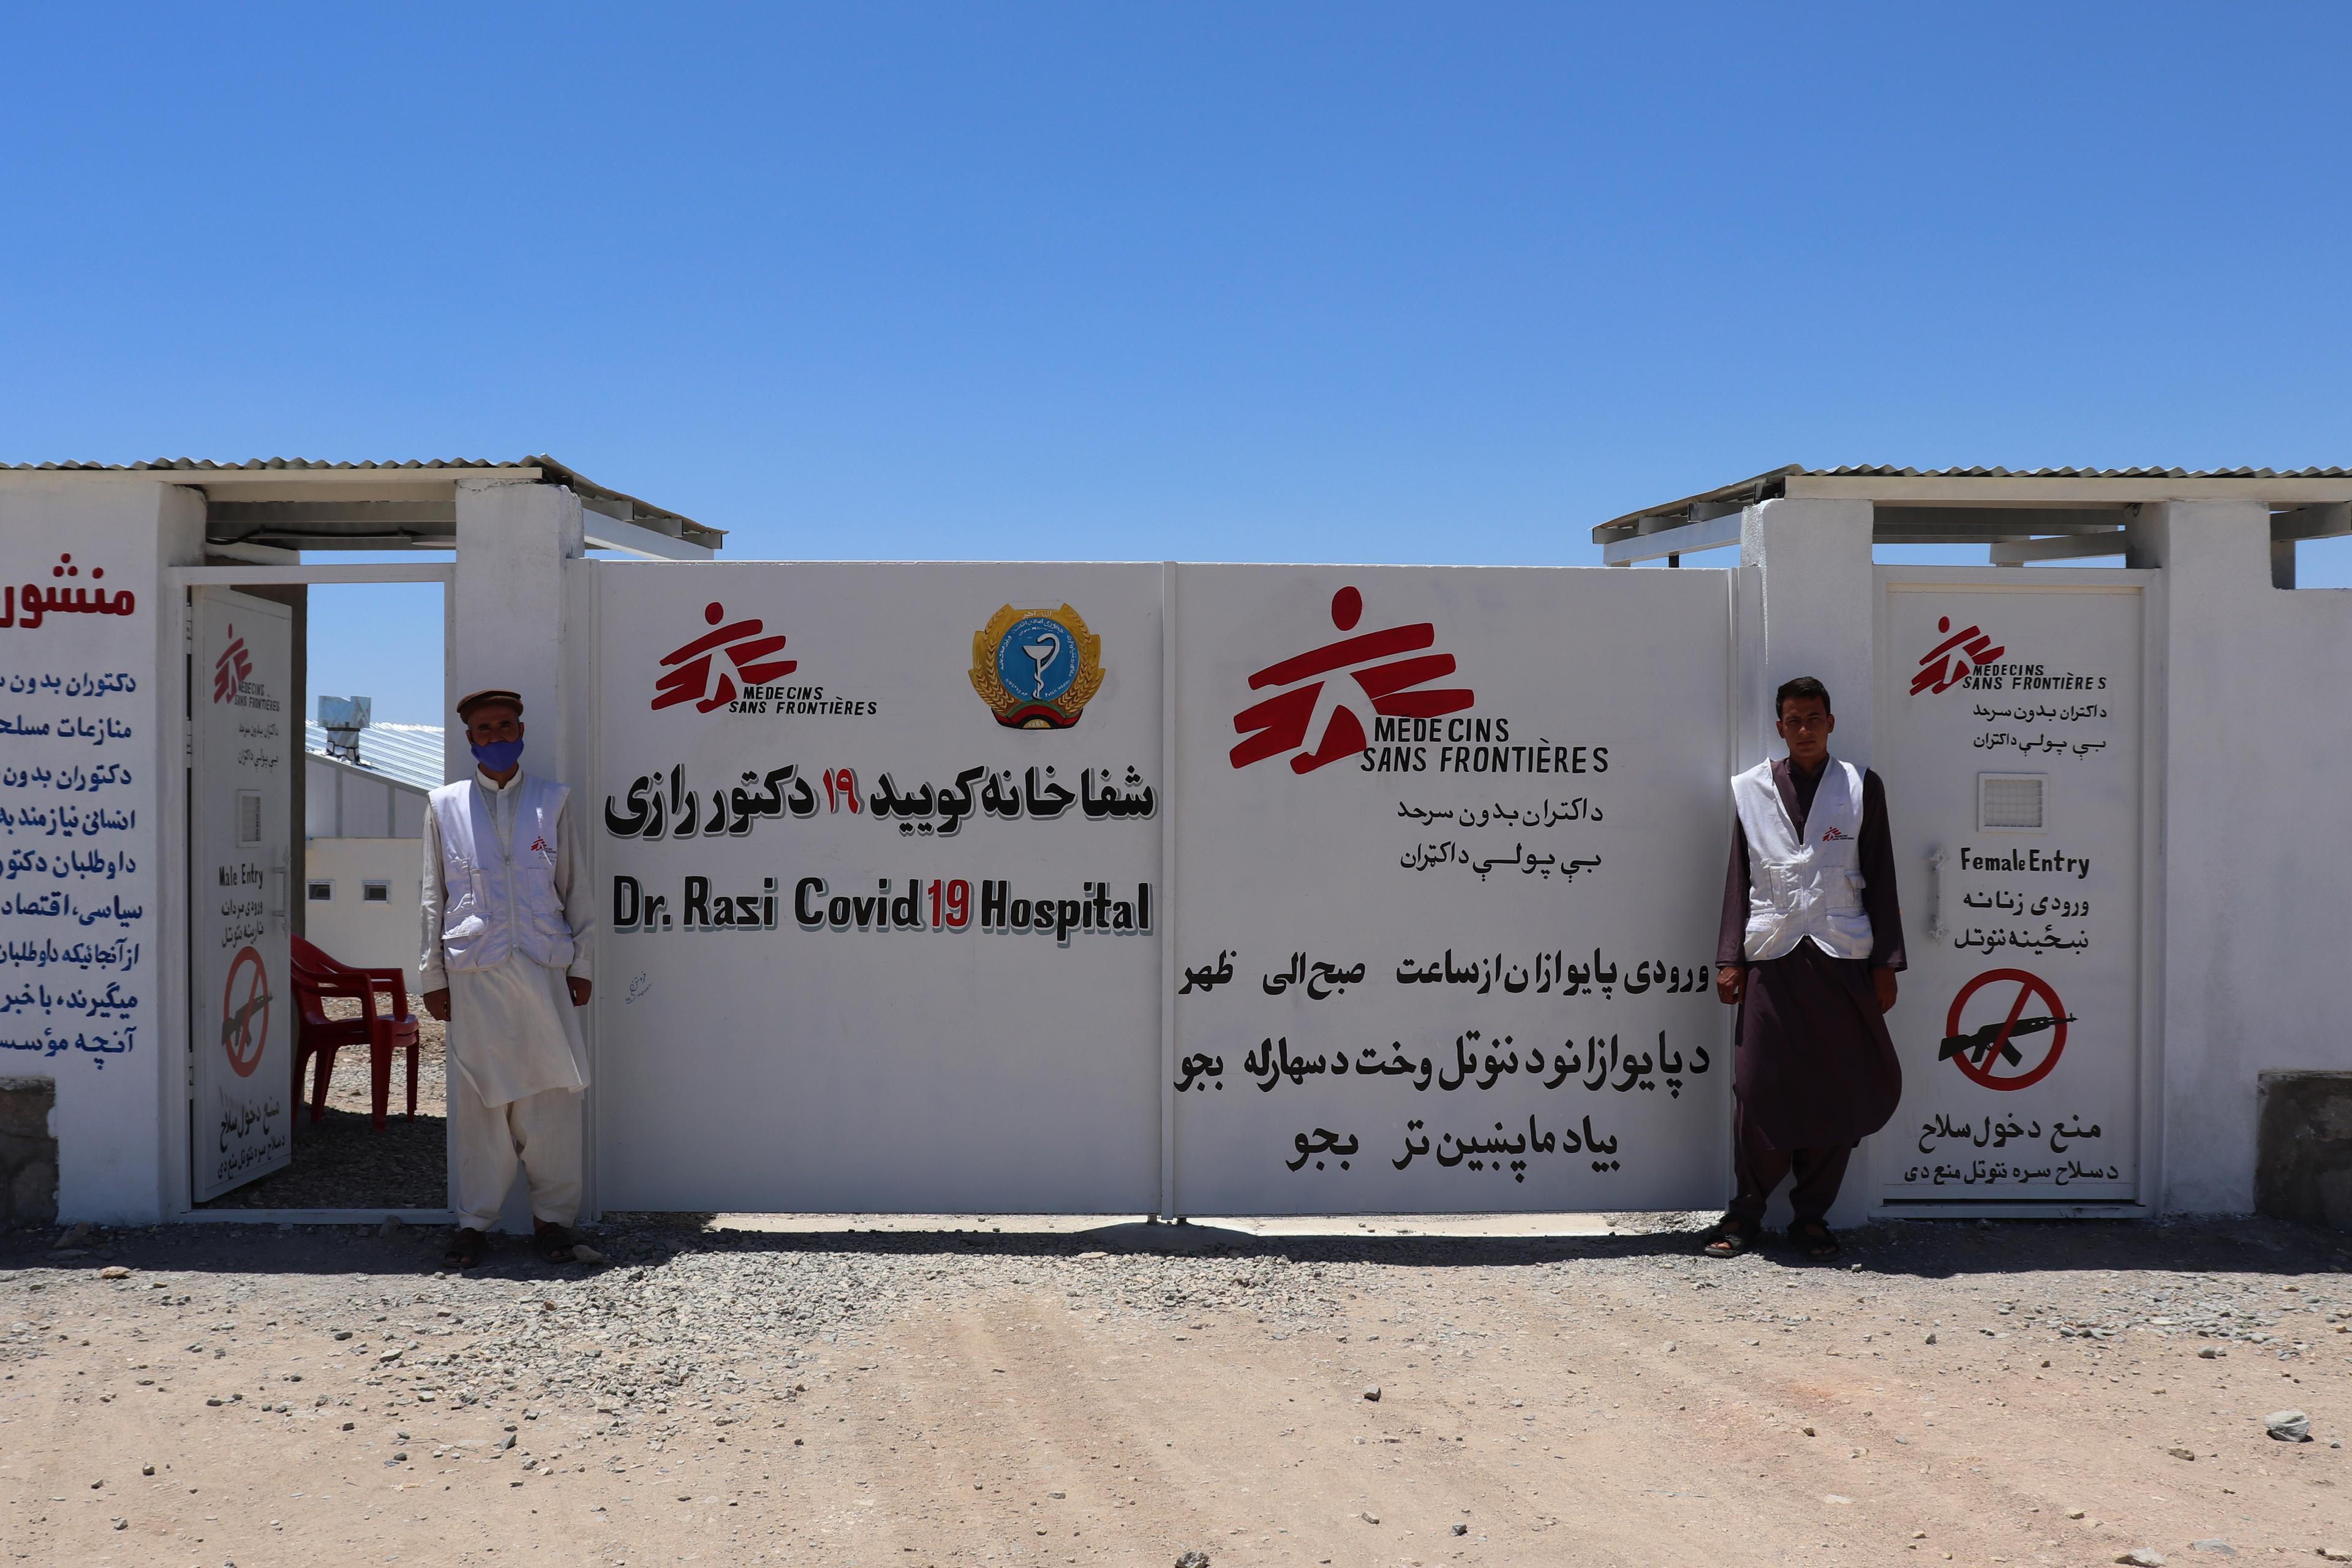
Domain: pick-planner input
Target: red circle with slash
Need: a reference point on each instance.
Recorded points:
(2028, 986)
(241, 1039)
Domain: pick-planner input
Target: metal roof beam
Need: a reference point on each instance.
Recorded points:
(1712, 534)
(292, 516)
(2064, 547)
(605, 532)
(1890, 523)
(331, 525)
(2311, 522)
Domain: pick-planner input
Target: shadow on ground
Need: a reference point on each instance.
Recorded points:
(1923, 1249)
(345, 1162)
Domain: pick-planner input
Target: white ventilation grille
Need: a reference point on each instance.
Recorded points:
(2014, 800)
(248, 817)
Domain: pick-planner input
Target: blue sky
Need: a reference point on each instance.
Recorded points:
(1363, 281)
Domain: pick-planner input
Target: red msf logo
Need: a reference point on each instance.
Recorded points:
(1280, 723)
(1949, 661)
(743, 643)
(231, 668)
(1835, 835)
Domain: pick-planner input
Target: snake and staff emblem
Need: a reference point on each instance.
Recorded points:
(1042, 654)
(1036, 669)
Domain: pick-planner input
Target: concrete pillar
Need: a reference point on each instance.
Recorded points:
(1819, 618)
(1813, 564)
(506, 628)
(2224, 869)
(507, 620)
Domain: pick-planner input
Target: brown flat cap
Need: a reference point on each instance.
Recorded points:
(473, 699)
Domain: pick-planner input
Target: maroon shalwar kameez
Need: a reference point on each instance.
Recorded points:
(1816, 1072)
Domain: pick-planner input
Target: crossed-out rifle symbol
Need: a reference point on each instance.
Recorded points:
(1982, 1043)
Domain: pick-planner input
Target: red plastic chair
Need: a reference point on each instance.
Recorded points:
(318, 976)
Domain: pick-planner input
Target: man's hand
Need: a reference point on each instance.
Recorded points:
(1730, 984)
(580, 988)
(437, 1004)
(1884, 980)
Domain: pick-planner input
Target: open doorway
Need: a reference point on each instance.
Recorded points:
(326, 1090)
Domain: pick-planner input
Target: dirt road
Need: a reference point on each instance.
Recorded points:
(2023, 1393)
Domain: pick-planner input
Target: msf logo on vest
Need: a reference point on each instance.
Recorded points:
(697, 676)
(1391, 673)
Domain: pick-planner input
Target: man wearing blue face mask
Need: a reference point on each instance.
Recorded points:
(506, 906)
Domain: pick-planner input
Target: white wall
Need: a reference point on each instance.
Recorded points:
(2257, 837)
(110, 1108)
(2255, 751)
(372, 936)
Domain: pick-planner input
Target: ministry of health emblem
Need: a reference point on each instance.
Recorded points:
(1036, 669)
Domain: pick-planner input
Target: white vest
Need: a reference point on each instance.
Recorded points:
(1811, 887)
(500, 901)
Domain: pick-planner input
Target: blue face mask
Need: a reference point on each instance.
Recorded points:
(499, 756)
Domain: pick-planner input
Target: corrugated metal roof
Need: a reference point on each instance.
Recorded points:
(639, 510)
(253, 463)
(1882, 470)
(406, 754)
(1773, 482)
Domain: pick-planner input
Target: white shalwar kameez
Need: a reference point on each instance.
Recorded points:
(516, 1061)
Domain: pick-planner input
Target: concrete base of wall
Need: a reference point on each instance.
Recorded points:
(28, 1152)
(2303, 1158)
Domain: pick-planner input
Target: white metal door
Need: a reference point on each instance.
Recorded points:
(241, 1038)
(2010, 737)
(1449, 858)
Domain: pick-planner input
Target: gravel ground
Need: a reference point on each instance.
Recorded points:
(2001, 1394)
(343, 1162)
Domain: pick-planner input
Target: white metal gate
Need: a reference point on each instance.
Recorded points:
(1449, 858)
(244, 732)
(2009, 723)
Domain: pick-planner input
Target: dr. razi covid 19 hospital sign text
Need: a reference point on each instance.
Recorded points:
(886, 854)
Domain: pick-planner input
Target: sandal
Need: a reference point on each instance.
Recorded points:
(1814, 1239)
(553, 1241)
(1729, 1238)
(465, 1249)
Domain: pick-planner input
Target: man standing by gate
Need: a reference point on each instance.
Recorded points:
(1811, 942)
(505, 908)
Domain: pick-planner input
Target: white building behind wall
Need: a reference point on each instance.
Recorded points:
(362, 822)
(2215, 803)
